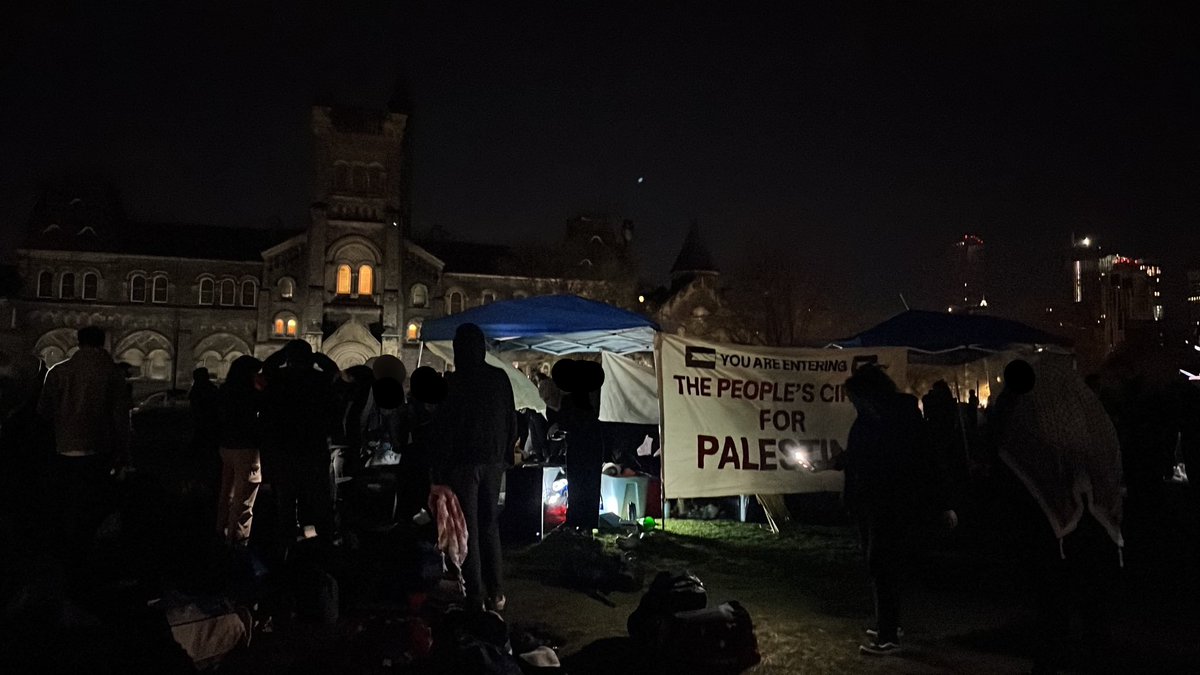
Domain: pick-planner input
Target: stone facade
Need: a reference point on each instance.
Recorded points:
(351, 283)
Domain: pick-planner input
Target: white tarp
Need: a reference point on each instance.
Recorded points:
(630, 391)
(525, 394)
(727, 408)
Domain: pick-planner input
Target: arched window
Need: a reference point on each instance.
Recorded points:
(419, 295)
(249, 291)
(228, 291)
(375, 177)
(488, 297)
(520, 294)
(160, 289)
(287, 289)
(91, 286)
(208, 289)
(341, 176)
(137, 288)
(361, 182)
(366, 280)
(66, 286)
(343, 280)
(455, 301)
(413, 333)
(45, 287)
(285, 325)
(158, 365)
(136, 360)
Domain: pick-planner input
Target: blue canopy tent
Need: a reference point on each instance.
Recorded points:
(551, 324)
(942, 338)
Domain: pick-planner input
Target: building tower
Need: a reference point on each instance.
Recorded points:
(966, 292)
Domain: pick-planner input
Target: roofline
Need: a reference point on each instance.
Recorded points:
(108, 255)
(422, 252)
(290, 241)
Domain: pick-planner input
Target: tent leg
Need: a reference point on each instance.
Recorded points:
(743, 507)
(420, 353)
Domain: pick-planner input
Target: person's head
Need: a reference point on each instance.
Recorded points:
(90, 336)
(971, 393)
(1018, 377)
(241, 372)
(200, 375)
(388, 366)
(868, 386)
(297, 352)
(470, 347)
(389, 393)
(360, 375)
(427, 386)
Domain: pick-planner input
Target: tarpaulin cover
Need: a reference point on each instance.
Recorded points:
(943, 333)
(525, 394)
(552, 324)
(629, 393)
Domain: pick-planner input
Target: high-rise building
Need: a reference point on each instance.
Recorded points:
(966, 293)
(1116, 297)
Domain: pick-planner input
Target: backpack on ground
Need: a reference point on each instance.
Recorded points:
(715, 640)
(668, 593)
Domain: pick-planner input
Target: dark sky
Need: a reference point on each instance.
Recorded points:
(852, 142)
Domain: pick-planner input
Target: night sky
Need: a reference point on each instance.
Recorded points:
(851, 143)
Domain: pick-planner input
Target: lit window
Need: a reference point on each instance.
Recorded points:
(291, 328)
(45, 286)
(91, 285)
(228, 291)
(158, 365)
(419, 295)
(137, 288)
(279, 327)
(249, 290)
(208, 290)
(343, 280)
(414, 331)
(66, 286)
(287, 289)
(366, 282)
(455, 302)
(160, 289)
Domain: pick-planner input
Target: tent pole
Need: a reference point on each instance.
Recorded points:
(420, 353)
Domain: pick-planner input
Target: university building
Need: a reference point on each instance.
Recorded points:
(353, 283)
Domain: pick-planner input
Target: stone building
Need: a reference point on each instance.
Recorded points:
(352, 282)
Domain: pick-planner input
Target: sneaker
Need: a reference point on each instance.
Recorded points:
(879, 648)
(872, 633)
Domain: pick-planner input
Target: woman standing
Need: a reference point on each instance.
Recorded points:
(241, 440)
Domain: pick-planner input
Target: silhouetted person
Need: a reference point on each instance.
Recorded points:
(1062, 448)
(204, 406)
(580, 418)
(240, 405)
(87, 403)
(300, 410)
(384, 418)
(890, 489)
(25, 444)
(944, 433)
(426, 391)
(476, 429)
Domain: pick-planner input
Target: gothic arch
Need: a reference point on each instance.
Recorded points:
(55, 346)
(353, 249)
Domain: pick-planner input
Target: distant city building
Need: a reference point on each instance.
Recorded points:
(353, 282)
(966, 275)
(1115, 298)
(1193, 300)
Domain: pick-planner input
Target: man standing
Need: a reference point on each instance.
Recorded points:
(476, 429)
(890, 485)
(86, 402)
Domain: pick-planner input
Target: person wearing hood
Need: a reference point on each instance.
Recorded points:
(580, 418)
(239, 403)
(475, 430)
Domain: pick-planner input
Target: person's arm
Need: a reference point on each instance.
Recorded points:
(48, 399)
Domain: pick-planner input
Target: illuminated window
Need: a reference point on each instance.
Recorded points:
(91, 285)
(137, 288)
(285, 325)
(159, 292)
(419, 296)
(291, 328)
(228, 291)
(343, 280)
(66, 286)
(157, 365)
(287, 289)
(366, 282)
(454, 302)
(249, 291)
(45, 287)
(413, 333)
(208, 290)
(279, 327)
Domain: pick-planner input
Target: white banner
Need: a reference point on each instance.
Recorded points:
(738, 419)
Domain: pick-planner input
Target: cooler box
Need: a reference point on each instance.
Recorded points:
(625, 496)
